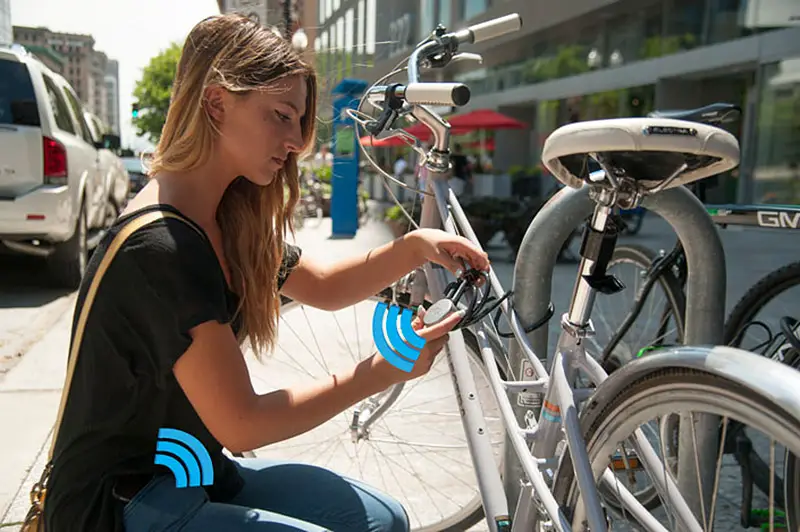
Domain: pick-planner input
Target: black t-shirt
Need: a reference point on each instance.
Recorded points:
(162, 282)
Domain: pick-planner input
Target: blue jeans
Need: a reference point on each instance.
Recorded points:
(277, 496)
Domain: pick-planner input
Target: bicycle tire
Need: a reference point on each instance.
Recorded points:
(596, 418)
(644, 257)
(757, 297)
(476, 514)
(750, 304)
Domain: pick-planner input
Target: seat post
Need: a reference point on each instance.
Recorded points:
(597, 246)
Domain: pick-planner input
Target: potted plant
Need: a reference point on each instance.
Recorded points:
(486, 215)
(397, 221)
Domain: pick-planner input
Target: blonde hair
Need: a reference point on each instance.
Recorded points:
(237, 53)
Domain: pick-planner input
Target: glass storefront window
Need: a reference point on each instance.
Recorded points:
(371, 14)
(777, 162)
(625, 40)
(445, 14)
(725, 20)
(427, 14)
(472, 8)
(349, 24)
(360, 39)
(339, 50)
(684, 25)
(653, 27)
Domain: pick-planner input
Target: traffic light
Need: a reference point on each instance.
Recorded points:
(135, 110)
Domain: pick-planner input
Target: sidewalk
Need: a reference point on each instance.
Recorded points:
(31, 390)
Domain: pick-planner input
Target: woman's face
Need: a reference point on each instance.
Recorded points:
(260, 129)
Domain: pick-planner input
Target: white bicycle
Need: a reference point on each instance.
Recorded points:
(505, 441)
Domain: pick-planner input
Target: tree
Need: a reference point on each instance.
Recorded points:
(152, 92)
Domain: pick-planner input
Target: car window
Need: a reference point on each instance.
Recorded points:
(17, 97)
(94, 130)
(133, 165)
(78, 114)
(58, 106)
(98, 127)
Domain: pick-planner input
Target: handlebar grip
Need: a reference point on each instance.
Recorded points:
(495, 27)
(453, 94)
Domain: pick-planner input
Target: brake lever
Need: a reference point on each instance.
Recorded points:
(392, 105)
(466, 56)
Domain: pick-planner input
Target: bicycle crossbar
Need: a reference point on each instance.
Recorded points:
(767, 216)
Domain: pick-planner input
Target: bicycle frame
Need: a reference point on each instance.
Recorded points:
(442, 210)
(783, 217)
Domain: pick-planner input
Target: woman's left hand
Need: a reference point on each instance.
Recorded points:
(449, 250)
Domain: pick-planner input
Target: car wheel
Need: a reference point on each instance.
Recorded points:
(68, 261)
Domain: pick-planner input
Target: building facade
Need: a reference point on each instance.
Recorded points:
(98, 96)
(74, 57)
(111, 80)
(590, 59)
(6, 31)
(267, 12)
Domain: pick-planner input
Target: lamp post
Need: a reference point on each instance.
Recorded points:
(300, 40)
(287, 18)
(298, 37)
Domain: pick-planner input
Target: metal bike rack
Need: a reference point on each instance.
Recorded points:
(705, 305)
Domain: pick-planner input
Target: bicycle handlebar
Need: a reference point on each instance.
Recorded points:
(438, 52)
(490, 29)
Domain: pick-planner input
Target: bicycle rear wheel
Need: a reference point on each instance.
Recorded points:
(660, 320)
(415, 451)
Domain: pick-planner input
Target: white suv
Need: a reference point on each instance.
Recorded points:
(54, 202)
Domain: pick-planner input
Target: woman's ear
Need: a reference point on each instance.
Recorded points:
(214, 101)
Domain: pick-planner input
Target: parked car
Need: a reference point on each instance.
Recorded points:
(53, 200)
(136, 173)
(116, 182)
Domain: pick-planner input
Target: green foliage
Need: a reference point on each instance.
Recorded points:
(324, 173)
(153, 91)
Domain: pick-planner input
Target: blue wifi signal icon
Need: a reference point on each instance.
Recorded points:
(387, 325)
(186, 457)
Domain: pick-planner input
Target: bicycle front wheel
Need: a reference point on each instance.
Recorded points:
(608, 429)
(407, 441)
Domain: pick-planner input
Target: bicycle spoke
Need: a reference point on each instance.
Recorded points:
(719, 468)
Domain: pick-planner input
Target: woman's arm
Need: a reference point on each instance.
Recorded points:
(348, 281)
(214, 377)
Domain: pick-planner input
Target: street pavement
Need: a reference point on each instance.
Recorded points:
(35, 323)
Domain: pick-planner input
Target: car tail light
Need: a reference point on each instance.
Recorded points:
(55, 162)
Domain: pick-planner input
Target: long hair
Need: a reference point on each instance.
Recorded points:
(240, 55)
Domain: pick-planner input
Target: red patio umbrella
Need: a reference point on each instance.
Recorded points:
(488, 144)
(419, 130)
(371, 142)
(484, 119)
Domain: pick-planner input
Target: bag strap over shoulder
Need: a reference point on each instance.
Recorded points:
(127, 230)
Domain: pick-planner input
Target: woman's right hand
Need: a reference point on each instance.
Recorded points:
(435, 338)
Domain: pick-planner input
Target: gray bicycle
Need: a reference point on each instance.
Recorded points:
(504, 443)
